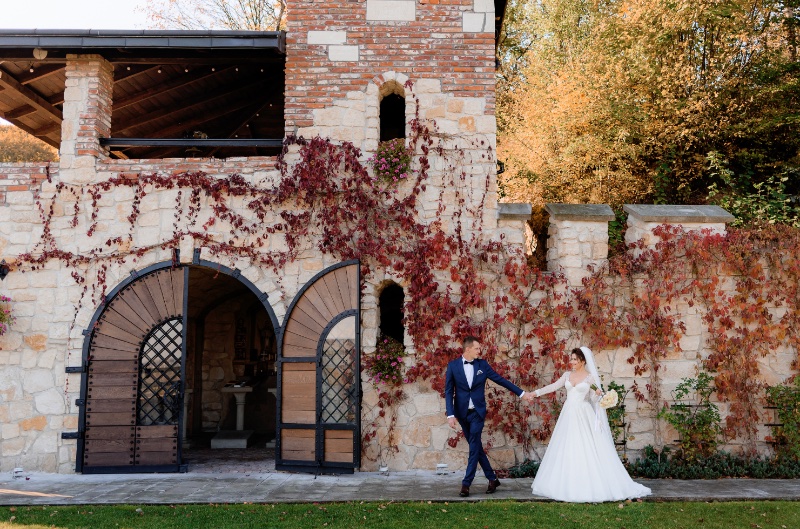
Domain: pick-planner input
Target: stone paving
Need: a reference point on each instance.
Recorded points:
(281, 487)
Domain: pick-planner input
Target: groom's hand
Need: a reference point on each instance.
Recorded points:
(452, 422)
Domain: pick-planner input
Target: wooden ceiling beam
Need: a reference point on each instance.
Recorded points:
(47, 129)
(268, 62)
(40, 73)
(18, 112)
(187, 104)
(56, 99)
(162, 88)
(30, 96)
(205, 118)
(137, 70)
(240, 120)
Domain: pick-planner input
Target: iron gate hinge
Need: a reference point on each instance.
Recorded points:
(72, 435)
(196, 256)
(80, 402)
(75, 369)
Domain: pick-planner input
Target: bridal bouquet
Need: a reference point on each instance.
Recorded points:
(609, 400)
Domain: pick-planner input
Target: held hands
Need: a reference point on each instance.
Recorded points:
(529, 396)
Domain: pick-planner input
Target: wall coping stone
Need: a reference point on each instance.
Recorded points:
(514, 210)
(580, 212)
(672, 214)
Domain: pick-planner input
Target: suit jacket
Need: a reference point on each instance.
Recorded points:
(457, 392)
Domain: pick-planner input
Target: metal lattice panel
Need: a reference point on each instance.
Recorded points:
(338, 382)
(160, 375)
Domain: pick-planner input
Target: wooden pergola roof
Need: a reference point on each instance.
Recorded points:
(168, 85)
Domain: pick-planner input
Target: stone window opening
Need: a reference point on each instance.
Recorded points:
(392, 111)
(390, 305)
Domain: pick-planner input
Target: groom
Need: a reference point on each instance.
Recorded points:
(465, 401)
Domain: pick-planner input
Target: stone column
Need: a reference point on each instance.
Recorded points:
(578, 237)
(87, 116)
(512, 222)
(644, 218)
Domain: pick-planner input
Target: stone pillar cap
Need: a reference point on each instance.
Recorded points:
(581, 212)
(673, 214)
(514, 210)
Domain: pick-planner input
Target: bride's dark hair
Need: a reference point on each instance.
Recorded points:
(577, 352)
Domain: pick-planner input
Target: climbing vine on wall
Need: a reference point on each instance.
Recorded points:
(458, 280)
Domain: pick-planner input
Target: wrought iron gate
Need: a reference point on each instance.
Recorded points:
(132, 391)
(319, 396)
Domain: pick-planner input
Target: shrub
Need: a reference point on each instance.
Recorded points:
(697, 420)
(659, 465)
(6, 317)
(386, 365)
(392, 161)
(786, 399)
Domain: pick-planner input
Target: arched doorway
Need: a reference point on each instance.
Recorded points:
(145, 351)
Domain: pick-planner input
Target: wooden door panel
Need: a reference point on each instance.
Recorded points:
(112, 406)
(114, 436)
(298, 445)
(110, 419)
(134, 319)
(111, 392)
(110, 432)
(156, 431)
(107, 446)
(156, 458)
(112, 379)
(114, 459)
(102, 354)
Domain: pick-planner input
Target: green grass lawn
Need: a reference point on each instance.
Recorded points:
(484, 515)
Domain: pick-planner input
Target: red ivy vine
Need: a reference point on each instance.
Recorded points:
(458, 280)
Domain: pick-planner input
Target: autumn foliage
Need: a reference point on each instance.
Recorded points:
(17, 145)
(623, 102)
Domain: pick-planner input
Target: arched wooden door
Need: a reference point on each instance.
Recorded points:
(133, 384)
(319, 397)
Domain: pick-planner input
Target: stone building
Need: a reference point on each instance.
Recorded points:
(185, 348)
(133, 349)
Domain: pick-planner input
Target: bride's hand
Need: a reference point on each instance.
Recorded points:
(598, 392)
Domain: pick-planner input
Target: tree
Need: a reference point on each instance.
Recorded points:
(622, 101)
(16, 145)
(260, 15)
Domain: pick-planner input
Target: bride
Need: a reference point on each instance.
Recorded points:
(581, 463)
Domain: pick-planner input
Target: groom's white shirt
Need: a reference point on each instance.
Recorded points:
(469, 372)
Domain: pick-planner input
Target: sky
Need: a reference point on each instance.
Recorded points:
(71, 14)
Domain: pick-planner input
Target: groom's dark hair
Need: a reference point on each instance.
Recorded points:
(469, 340)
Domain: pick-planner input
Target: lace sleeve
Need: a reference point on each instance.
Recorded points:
(552, 387)
(591, 395)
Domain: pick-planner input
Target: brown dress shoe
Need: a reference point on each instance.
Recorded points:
(493, 486)
(464, 491)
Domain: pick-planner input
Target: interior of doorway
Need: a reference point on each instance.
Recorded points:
(230, 399)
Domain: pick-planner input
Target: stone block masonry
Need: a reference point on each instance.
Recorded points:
(421, 40)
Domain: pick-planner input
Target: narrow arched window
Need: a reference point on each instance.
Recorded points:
(393, 117)
(391, 308)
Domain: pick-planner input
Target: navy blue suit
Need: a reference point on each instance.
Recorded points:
(457, 394)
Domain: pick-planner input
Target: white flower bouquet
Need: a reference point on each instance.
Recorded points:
(609, 399)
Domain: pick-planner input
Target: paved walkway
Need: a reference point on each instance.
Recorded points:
(281, 487)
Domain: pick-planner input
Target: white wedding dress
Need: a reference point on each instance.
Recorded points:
(581, 463)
